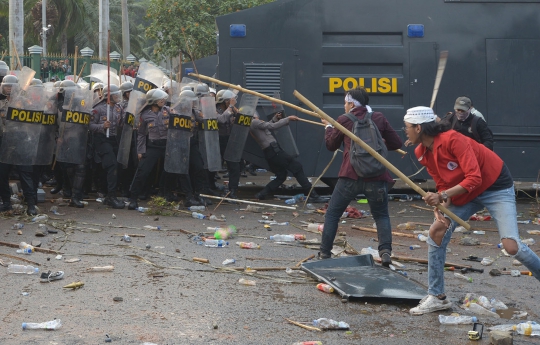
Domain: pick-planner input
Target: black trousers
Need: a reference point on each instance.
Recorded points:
(107, 151)
(25, 176)
(197, 174)
(233, 167)
(280, 162)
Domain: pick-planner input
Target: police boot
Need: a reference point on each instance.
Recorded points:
(192, 201)
(204, 201)
(110, 200)
(31, 210)
(262, 194)
(6, 206)
(56, 189)
(78, 183)
(76, 202)
(133, 205)
(232, 195)
(316, 198)
(171, 197)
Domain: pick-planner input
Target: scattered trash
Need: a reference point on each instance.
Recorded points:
(498, 305)
(295, 273)
(324, 323)
(49, 325)
(17, 226)
(126, 238)
(69, 261)
(528, 241)
(247, 282)
(113, 216)
(487, 261)
(315, 226)
(23, 269)
(406, 226)
(457, 320)
(40, 218)
(40, 233)
(143, 209)
(271, 222)
(25, 293)
(460, 229)
(518, 314)
(109, 268)
(524, 221)
(422, 238)
(261, 170)
(479, 232)
(228, 262)
(223, 233)
(74, 285)
(478, 310)
(533, 232)
(529, 328)
(373, 252)
(461, 276)
(248, 245)
(25, 248)
(295, 199)
(118, 299)
(414, 246)
(203, 260)
(516, 263)
(197, 215)
(480, 218)
(255, 209)
(325, 288)
(150, 227)
(58, 257)
(469, 241)
(148, 246)
(288, 238)
(215, 243)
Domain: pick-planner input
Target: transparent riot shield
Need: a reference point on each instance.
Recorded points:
(240, 128)
(283, 135)
(25, 76)
(209, 135)
(178, 137)
(137, 100)
(99, 73)
(149, 77)
(48, 128)
(73, 131)
(24, 117)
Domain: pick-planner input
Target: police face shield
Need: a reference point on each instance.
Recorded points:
(6, 89)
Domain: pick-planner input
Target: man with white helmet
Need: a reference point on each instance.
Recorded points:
(105, 130)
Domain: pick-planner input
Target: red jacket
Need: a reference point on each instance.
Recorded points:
(457, 159)
(334, 138)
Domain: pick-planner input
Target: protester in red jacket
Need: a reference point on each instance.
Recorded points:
(469, 177)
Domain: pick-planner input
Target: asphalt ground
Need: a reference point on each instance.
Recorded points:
(169, 299)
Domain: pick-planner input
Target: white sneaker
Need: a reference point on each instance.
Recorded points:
(47, 277)
(430, 304)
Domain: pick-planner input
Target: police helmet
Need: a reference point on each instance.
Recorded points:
(114, 90)
(97, 87)
(7, 83)
(201, 90)
(186, 87)
(126, 87)
(36, 83)
(155, 96)
(224, 95)
(188, 93)
(57, 83)
(4, 69)
(64, 84)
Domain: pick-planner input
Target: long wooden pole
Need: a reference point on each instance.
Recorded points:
(276, 100)
(79, 75)
(17, 55)
(247, 202)
(440, 71)
(377, 156)
(75, 64)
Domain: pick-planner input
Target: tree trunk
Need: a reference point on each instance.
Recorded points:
(16, 30)
(125, 30)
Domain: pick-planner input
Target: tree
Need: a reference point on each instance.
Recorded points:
(188, 26)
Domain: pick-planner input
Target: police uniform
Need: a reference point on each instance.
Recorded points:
(225, 122)
(279, 161)
(151, 144)
(126, 175)
(106, 149)
(197, 174)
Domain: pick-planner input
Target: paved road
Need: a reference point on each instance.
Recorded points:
(169, 299)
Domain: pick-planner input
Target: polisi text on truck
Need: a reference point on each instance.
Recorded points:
(373, 85)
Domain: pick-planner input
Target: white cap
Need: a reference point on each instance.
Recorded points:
(418, 115)
(212, 90)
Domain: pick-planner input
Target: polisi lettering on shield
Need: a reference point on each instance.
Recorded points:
(77, 117)
(210, 125)
(243, 120)
(29, 116)
(130, 119)
(143, 85)
(180, 122)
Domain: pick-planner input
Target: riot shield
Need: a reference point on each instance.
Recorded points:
(178, 136)
(25, 76)
(48, 128)
(72, 139)
(149, 77)
(240, 128)
(209, 136)
(24, 117)
(283, 135)
(99, 73)
(192, 83)
(137, 100)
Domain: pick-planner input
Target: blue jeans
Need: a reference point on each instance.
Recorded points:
(501, 204)
(346, 190)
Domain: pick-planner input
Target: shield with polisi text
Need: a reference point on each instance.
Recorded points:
(240, 128)
(137, 100)
(209, 135)
(178, 136)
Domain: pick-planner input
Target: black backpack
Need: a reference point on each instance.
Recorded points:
(363, 163)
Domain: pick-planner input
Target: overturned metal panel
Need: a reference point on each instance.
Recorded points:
(358, 277)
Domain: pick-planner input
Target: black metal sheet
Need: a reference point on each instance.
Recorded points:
(357, 276)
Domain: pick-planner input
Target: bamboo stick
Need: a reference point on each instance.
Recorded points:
(36, 249)
(311, 328)
(247, 202)
(17, 55)
(425, 261)
(79, 75)
(263, 268)
(75, 64)
(401, 234)
(304, 260)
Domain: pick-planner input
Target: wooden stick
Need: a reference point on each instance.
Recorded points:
(268, 259)
(21, 259)
(424, 261)
(79, 75)
(247, 202)
(304, 260)
(36, 249)
(219, 203)
(380, 158)
(204, 261)
(75, 64)
(312, 122)
(401, 234)
(440, 71)
(422, 208)
(17, 55)
(311, 328)
(276, 100)
(262, 268)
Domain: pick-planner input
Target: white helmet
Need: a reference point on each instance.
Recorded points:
(224, 95)
(155, 96)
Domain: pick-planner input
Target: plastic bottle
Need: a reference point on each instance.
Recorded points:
(215, 243)
(477, 309)
(142, 209)
(197, 208)
(315, 226)
(528, 241)
(461, 276)
(498, 305)
(528, 328)
(261, 170)
(248, 245)
(126, 238)
(22, 269)
(40, 218)
(49, 325)
(255, 209)
(150, 227)
(247, 282)
(422, 238)
(197, 215)
(325, 288)
(484, 302)
(324, 323)
(414, 246)
(295, 273)
(283, 238)
(25, 248)
(406, 226)
(479, 232)
(457, 320)
(290, 201)
(17, 226)
(228, 261)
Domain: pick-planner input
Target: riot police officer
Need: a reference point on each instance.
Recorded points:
(106, 146)
(151, 145)
(25, 171)
(126, 89)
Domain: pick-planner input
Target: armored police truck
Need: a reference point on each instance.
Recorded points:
(391, 47)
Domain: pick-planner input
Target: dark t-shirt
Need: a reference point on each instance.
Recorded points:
(504, 180)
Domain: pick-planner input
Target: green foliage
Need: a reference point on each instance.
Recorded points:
(188, 26)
